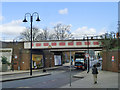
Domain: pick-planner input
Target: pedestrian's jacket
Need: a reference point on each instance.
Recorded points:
(94, 70)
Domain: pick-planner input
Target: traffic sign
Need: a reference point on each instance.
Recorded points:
(112, 58)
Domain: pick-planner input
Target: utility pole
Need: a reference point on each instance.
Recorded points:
(70, 68)
(88, 53)
(31, 20)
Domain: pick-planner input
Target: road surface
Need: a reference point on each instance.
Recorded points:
(59, 77)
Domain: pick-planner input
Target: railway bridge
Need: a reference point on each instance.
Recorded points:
(65, 45)
(55, 52)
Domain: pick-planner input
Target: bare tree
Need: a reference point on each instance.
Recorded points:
(61, 32)
(44, 35)
(26, 35)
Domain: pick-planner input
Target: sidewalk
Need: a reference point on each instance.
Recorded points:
(23, 71)
(106, 79)
(66, 64)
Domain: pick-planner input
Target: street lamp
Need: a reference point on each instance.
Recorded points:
(31, 20)
(88, 53)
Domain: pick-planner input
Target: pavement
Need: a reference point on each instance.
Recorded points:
(106, 79)
(41, 73)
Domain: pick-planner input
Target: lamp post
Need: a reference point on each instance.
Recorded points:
(70, 68)
(88, 66)
(31, 20)
(88, 53)
(13, 56)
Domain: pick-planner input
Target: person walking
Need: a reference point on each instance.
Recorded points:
(95, 72)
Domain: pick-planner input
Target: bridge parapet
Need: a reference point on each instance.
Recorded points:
(63, 44)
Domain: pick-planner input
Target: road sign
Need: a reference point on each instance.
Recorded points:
(113, 59)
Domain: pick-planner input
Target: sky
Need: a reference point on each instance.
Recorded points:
(85, 18)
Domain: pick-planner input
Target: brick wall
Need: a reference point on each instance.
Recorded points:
(25, 60)
(49, 58)
(23, 55)
(108, 64)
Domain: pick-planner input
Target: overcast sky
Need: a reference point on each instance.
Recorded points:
(91, 18)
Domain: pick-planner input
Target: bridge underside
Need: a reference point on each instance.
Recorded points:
(74, 49)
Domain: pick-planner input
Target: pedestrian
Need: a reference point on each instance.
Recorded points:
(95, 72)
